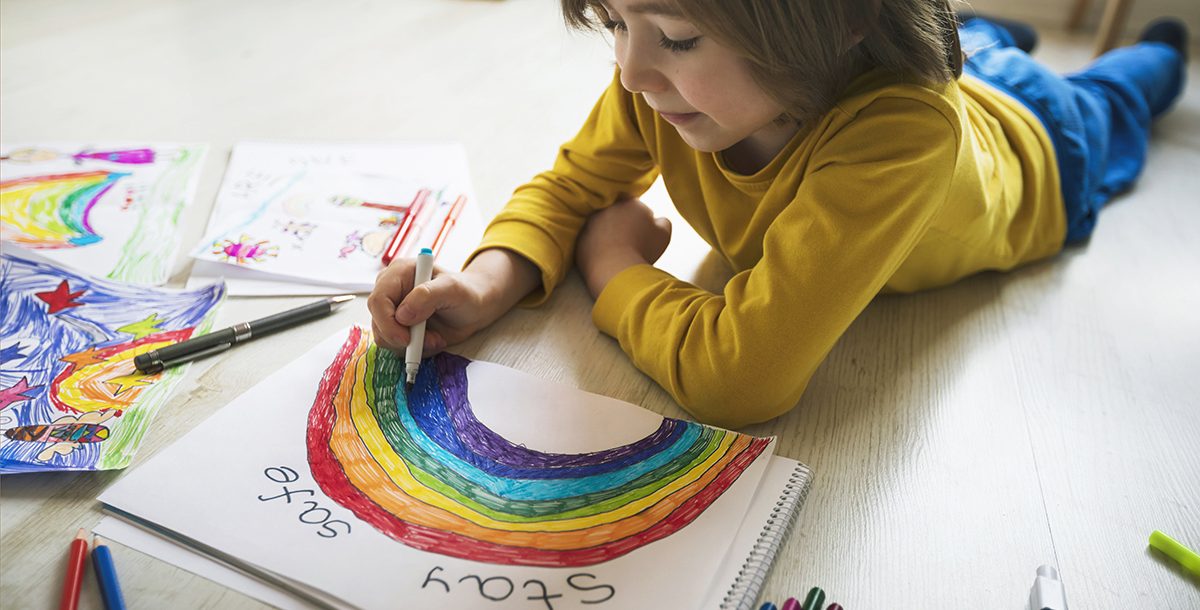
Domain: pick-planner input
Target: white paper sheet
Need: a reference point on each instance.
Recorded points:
(219, 486)
(314, 216)
(108, 209)
(197, 563)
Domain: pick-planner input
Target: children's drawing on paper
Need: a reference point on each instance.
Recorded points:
(51, 212)
(63, 436)
(245, 250)
(295, 231)
(331, 210)
(110, 211)
(335, 224)
(426, 472)
(370, 243)
(70, 397)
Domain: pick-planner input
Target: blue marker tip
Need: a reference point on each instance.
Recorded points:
(767, 606)
(428, 251)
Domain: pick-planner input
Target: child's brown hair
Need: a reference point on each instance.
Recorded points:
(803, 53)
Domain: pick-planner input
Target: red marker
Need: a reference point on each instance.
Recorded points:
(75, 558)
(400, 238)
(385, 206)
(451, 218)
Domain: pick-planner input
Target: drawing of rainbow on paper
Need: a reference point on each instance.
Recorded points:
(70, 396)
(426, 472)
(50, 212)
(107, 211)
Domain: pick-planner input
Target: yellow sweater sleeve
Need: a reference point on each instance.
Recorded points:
(746, 355)
(606, 160)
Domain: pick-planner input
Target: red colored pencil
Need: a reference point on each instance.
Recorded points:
(75, 558)
(451, 218)
(402, 232)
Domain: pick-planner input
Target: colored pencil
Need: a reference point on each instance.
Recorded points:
(75, 559)
(106, 575)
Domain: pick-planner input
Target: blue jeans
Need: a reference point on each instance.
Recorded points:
(1098, 118)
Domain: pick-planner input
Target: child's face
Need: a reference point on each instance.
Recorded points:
(699, 86)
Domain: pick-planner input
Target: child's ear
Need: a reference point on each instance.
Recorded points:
(865, 14)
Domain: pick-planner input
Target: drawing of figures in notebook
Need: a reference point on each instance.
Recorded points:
(425, 471)
(335, 223)
(244, 250)
(372, 243)
(332, 208)
(295, 231)
(110, 211)
(70, 395)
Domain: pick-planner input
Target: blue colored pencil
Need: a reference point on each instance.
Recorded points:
(106, 574)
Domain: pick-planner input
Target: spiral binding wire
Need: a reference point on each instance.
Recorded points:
(754, 571)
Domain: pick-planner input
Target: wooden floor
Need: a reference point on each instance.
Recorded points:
(960, 437)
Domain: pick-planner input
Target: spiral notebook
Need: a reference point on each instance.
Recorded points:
(483, 486)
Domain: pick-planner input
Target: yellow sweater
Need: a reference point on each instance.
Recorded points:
(900, 187)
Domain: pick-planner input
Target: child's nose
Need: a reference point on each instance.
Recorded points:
(640, 77)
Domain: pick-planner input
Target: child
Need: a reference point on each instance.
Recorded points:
(829, 150)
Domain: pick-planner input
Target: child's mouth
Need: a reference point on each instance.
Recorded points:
(679, 118)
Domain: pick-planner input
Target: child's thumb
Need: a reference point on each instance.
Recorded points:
(420, 303)
(664, 224)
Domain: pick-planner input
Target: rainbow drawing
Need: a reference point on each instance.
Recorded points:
(51, 212)
(426, 472)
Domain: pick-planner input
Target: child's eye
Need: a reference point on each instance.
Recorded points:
(678, 46)
(613, 25)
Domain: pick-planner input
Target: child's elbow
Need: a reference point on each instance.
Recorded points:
(735, 403)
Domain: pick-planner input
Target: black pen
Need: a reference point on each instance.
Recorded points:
(154, 361)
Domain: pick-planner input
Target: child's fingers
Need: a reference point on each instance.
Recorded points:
(434, 342)
(389, 289)
(381, 340)
(388, 333)
(426, 299)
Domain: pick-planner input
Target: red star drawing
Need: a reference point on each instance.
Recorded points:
(16, 393)
(60, 298)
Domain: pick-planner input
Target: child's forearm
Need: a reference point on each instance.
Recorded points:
(598, 271)
(504, 277)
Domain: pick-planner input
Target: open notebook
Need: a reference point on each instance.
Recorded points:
(296, 218)
(484, 486)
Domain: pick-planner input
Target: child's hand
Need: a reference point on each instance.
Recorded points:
(615, 238)
(455, 305)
